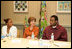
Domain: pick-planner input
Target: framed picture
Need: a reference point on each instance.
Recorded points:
(20, 6)
(64, 6)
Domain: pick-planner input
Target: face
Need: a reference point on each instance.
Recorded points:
(32, 23)
(10, 23)
(52, 21)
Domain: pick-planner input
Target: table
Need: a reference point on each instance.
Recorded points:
(32, 43)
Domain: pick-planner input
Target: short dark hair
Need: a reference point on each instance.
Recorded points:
(56, 17)
(6, 20)
(31, 19)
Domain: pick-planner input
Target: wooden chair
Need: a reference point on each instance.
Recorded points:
(18, 34)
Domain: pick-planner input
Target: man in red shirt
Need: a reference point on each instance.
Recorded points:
(60, 32)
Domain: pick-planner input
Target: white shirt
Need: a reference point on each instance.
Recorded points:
(12, 31)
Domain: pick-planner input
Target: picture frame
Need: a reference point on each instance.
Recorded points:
(63, 6)
(20, 6)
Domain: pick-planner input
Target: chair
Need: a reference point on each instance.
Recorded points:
(18, 34)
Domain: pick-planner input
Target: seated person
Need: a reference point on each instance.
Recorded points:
(60, 32)
(9, 29)
(31, 29)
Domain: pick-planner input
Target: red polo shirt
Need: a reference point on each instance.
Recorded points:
(60, 33)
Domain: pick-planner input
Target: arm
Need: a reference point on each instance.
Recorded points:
(15, 32)
(36, 32)
(26, 33)
(3, 31)
(44, 34)
(64, 35)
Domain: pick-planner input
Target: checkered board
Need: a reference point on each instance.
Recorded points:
(21, 6)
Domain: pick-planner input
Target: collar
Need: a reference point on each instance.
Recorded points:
(33, 28)
(55, 27)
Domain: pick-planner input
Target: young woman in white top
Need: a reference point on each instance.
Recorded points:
(9, 29)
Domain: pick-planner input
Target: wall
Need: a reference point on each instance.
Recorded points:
(34, 10)
(18, 18)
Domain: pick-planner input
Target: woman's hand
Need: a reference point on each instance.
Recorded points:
(35, 38)
(28, 37)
